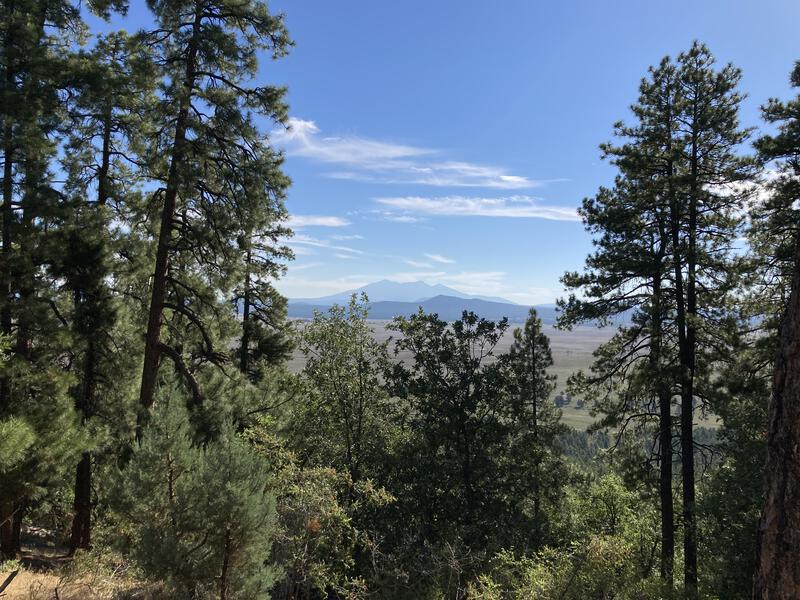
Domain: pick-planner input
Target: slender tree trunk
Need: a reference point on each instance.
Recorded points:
(7, 548)
(687, 446)
(81, 520)
(664, 440)
(687, 393)
(777, 575)
(16, 526)
(537, 501)
(153, 336)
(665, 489)
(25, 284)
(6, 277)
(82, 517)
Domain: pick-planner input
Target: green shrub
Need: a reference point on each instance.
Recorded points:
(198, 518)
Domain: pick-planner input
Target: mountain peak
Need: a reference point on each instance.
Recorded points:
(387, 290)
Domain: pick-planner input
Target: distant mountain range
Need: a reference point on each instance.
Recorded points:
(389, 299)
(392, 291)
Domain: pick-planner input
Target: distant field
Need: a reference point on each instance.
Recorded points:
(572, 351)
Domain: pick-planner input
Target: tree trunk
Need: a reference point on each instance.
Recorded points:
(664, 438)
(82, 519)
(665, 490)
(7, 549)
(777, 575)
(152, 352)
(16, 527)
(537, 496)
(6, 278)
(687, 389)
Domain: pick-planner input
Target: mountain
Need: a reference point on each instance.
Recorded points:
(392, 291)
(449, 308)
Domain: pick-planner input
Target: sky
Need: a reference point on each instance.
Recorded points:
(451, 141)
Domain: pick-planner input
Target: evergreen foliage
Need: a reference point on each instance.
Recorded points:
(146, 404)
(197, 517)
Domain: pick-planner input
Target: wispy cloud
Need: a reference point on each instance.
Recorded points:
(344, 256)
(300, 221)
(525, 207)
(302, 241)
(300, 250)
(440, 259)
(365, 159)
(417, 264)
(394, 217)
(344, 238)
(303, 266)
(302, 138)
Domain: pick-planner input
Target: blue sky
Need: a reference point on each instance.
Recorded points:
(451, 141)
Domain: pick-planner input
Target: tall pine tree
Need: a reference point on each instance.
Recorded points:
(215, 174)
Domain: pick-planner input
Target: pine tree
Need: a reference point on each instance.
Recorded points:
(776, 573)
(681, 162)
(705, 221)
(628, 276)
(107, 114)
(36, 39)
(456, 409)
(197, 517)
(214, 170)
(263, 338)
(535, 421)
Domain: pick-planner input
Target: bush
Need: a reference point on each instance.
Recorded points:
(612, 553)
(198, 518)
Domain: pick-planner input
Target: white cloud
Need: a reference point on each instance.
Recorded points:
(511, 207)
(440, 259)
(417, 264)
(300, 241)
(344, 256)
(388, 215)
(371, 160)
(302, 138)
(299, 221)
(344, 238)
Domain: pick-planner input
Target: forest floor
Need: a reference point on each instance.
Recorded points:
(44, 571)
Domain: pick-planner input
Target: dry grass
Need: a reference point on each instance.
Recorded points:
(44, 572)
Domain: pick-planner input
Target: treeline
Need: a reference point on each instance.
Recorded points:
(147, 415)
